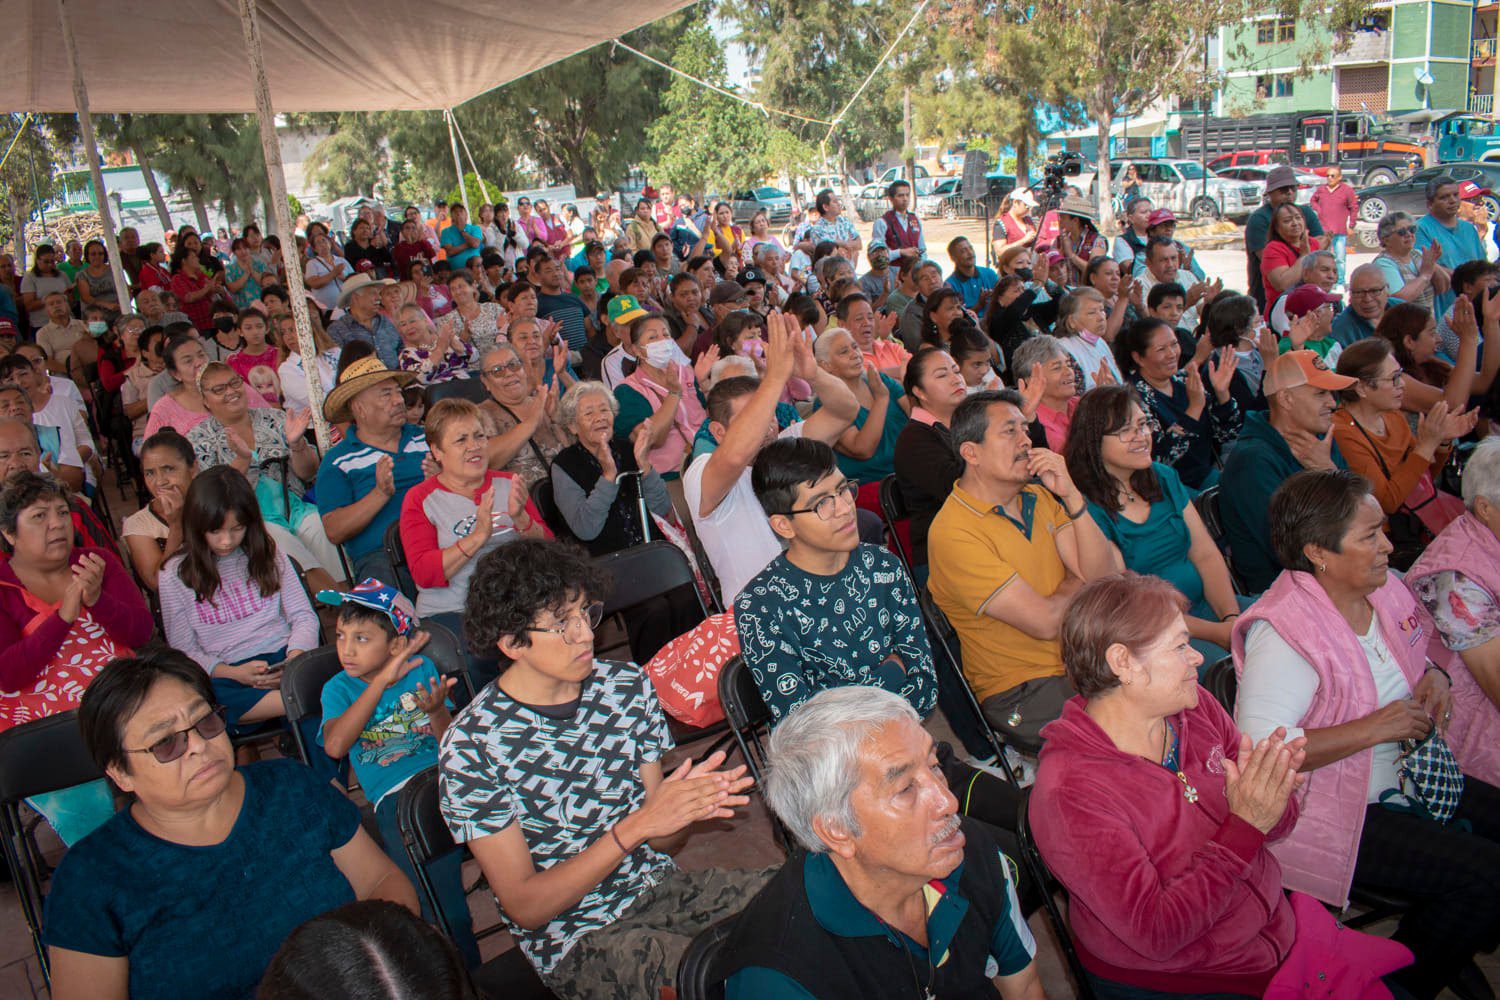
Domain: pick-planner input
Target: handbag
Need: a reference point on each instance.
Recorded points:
(685, 672)
(1431, 781)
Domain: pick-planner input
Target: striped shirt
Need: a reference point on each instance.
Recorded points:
(237, 623)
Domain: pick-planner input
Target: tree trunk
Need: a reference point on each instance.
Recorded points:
(908, 148)
(200, 209)
(152, 188)
(19, 216)
(1104, 117)
(1023, 161)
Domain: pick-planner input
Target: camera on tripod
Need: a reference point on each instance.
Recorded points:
(1055, 171)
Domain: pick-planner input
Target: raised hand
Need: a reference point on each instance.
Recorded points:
(1489, 306)
(168, 503)
(433, 697)
(1221, 373)
(1105, 375)
(1137, 293)
(878, 389)
(1048, 467)
(1196, 395)
(885, 325)
(385, 476)
(1268, 344)
(1430, 256)
(689, 794)
(1302, 330)
(484, 523)
(640, 447)
(515, 504)
(1464, 322)
(296, 424)
(1259, 783)
(705, 363)
(1032, 389)
(89, 572)
(531, 408)
(403, 658)
(781, 354)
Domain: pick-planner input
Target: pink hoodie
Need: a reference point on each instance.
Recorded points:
(1167, 894)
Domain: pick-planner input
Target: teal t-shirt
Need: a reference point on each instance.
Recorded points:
(397, 742)
(452, 241)
(1159, 547)
(883, 462)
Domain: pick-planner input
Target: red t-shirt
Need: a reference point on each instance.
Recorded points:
(1277, 254)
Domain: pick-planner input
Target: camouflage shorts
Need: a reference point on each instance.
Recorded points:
(634, 957)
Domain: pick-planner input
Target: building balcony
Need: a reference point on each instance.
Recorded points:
(1483, 52)
(1482, 104)
(1366, 47)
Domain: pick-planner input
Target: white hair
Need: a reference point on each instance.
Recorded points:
(823, 346)
(728, 367)
(1482, 473)
(567, 407)
(1036, 350)
(814, 755)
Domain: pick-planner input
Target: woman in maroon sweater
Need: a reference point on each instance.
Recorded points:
(65, 611)
(1155, 812)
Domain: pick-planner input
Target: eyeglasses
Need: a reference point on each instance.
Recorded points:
(1395, 379)
(572, 627)
(173, 745)
(1403, 231)
(1139, 429)
(218, 391)
(495, 371)
(829, 505)
(1367, 291)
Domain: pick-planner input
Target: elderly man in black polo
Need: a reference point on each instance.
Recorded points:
(896, 894)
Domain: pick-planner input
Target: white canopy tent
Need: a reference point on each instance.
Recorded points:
(129, 56)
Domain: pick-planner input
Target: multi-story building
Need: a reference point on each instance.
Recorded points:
(1405, 55)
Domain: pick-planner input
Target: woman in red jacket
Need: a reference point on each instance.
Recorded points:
(1155, 813)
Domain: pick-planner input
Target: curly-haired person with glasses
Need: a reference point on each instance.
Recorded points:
(190, 890)
(553, 776)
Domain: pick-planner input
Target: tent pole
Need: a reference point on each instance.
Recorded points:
(463, 189)
(91, 147)
(296, 290)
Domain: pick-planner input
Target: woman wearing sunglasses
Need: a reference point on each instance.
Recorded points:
(65, 611)
(190, 890)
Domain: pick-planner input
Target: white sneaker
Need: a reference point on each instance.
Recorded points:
(1021, 767)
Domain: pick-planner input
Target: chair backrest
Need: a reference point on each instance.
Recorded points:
(46, 755)
(1219, 679)
(1050, 887)
(696, 979)
(745, 711)
(541, 495)
(1207, 503)
(646, 571)
(447, 654)
(302, 682)
(471, 389)
(897, 521)
(396, 553)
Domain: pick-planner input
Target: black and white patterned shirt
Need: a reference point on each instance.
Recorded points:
(567, 781)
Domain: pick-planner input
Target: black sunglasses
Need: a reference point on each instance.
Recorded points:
(173, 745)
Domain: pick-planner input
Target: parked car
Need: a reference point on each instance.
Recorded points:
(870, 203)
(1307, 182)
(776, 203)
(1409, 195)
(947, 198)
(1248, 158)
(1180, 185)
(924, 184)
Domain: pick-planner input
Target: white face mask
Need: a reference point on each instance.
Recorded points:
(660, 353)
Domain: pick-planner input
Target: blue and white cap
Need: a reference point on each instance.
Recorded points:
(371, 593)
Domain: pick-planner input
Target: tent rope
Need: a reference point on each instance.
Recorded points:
(720, 90)
(15, 139)
(483, 185)
(878, 66)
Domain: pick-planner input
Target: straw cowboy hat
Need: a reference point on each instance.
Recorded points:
(357, 282)
(1075, 204)
(356, 379)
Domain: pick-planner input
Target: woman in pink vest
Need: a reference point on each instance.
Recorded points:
(662, 393)
(1458, 581)
(1156, 813)
(1338, 652)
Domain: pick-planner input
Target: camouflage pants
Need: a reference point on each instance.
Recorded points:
(634, 957)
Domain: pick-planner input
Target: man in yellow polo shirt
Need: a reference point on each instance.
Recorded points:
(1009, 548)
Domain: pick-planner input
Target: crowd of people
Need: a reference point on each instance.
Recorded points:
(1078, 483)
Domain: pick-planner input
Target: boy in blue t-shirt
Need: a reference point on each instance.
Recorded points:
(386, 712)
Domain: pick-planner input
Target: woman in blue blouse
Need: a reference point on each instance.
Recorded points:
(1188, 428)
(189, 891)
(866, 452)
(1148, 515)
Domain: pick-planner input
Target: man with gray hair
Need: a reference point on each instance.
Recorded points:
(1319, 268)
(894, 887)
(1456, 239)
(1367, 298)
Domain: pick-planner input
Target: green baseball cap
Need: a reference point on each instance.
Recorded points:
(624, 308)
